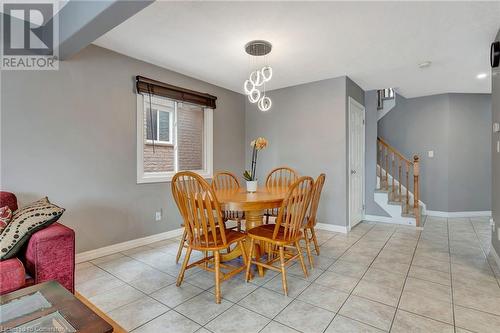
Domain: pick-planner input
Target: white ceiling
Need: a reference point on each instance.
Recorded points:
(377, 44)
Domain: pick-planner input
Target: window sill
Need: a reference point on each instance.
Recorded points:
(166, 177)
(162, 144)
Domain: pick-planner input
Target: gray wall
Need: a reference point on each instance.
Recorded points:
(456, 127)
(306, 130)
(71, 134)
(371, 207)
(495, 207)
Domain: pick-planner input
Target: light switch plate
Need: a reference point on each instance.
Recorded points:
(431, 153)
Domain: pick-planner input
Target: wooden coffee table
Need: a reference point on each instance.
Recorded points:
(77, 314)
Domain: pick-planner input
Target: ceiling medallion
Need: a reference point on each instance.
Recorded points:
(255, 85)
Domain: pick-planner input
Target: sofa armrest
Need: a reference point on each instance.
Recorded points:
(12, 275)
(50, 255)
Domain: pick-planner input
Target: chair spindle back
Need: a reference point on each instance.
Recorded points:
(294, 207)
(225, 181)
(199, 208)
(315, 197)
(281, 177)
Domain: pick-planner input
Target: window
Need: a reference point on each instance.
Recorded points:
(158, 125)
(174, 136)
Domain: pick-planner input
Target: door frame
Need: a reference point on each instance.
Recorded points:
(352, 101)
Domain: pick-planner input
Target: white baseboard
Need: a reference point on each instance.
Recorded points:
(331, 227)
(107, 250)
(388, 219)
(437, 213)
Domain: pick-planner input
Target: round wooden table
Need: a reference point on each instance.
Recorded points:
(253, 204)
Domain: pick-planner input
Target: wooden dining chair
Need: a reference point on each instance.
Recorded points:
(285, 233)
(279, 178)
(225, 180)
(205, 228)
(310, 219)
(222, 180)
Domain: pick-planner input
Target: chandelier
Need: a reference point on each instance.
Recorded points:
(255, 85)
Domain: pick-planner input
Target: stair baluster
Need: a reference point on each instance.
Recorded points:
(393, 185)
(392, 163)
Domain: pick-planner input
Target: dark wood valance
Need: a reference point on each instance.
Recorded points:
(145, 85)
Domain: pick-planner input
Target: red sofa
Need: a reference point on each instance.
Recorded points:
(48, 255)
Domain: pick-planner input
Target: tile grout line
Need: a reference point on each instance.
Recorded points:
(406, 278)
(258, 287)
(484, 252)
(451, 277)
(350, 293)
(296, 297)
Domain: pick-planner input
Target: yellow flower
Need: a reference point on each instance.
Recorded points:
(260, 143)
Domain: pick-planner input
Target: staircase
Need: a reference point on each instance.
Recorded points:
(398, 183)
(386, 100)
(383, 95)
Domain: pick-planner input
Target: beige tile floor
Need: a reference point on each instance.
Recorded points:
(377, 278)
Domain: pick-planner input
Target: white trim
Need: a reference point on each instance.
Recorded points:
(392, 220)
(115, 248)
(331, 227)
(158, 177)
(437, 213)
(362, 107)
(495, 255)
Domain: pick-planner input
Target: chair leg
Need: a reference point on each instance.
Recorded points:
(243, 252)
(315, 240)
(283, 270)
(308, 249)
(181, 246)
(267, 218)
(183, 268)
(217, 277)
(239, 224)
(301, 258)
(249, 262)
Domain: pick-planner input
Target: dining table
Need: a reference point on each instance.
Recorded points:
(254, 204)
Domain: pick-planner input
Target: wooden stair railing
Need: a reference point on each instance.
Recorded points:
(395, 172)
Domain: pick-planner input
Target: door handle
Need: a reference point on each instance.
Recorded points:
(353, 172)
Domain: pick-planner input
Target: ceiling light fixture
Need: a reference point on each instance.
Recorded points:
(258, 49)
(481, 76)
(425, 64)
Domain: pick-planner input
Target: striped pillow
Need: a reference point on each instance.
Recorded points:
(25, 222)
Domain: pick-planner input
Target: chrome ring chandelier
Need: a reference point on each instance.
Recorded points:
(255, 85)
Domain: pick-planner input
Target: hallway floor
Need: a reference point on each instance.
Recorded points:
(377, 278)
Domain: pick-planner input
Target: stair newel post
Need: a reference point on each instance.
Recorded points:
(416, 174)
(407, 205)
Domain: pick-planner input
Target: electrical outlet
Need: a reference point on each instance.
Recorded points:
(158, 216)
(431, 153)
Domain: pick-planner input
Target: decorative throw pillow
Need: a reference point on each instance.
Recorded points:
(5, 217)
(25, 222)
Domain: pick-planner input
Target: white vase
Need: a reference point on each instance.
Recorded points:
(252, 186)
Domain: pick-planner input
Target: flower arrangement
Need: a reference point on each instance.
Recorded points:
(257, 145)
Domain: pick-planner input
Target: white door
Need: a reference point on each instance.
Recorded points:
(356, 162)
